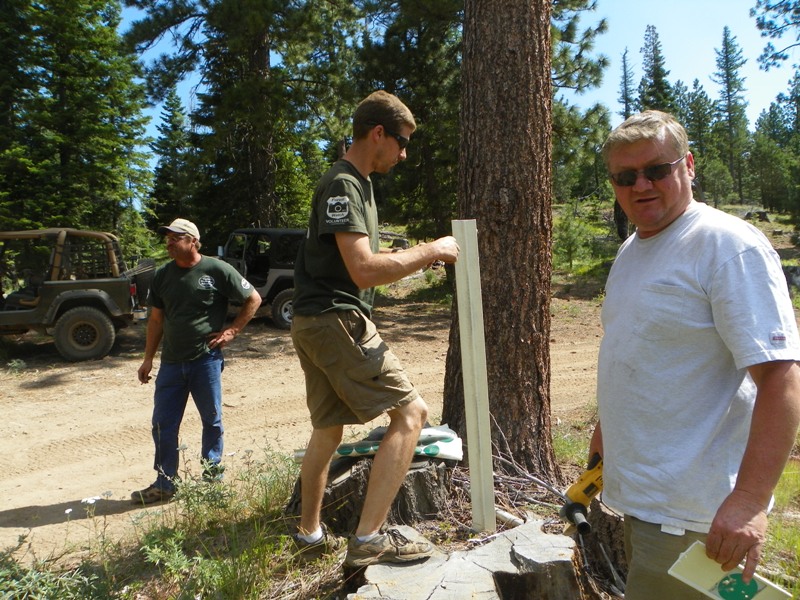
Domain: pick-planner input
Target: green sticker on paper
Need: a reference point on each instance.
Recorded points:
(731, 587)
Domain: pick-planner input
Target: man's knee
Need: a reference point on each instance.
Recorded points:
(414, 413)
(327, 436)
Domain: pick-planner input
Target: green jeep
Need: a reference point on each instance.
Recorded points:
(71, 284)
(265, 256)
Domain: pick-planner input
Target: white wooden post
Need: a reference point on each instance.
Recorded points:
(473, 366)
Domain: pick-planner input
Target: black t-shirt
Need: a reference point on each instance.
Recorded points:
(195, 304)
(343, 201)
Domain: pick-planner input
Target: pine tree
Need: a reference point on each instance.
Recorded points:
(772, 161)
(573, 65)
(173, 184)
(15, 83)
(790, 104)
(578, 171)
(77, 119)
(655, 91)
(774, 20)
(505, 185)
(698, 121)
(681, 93)
(413, 50)
(731, 107)
(626, 92)
(790, 109)
(272, 72)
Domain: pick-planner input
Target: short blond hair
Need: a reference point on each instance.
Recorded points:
(381, 108)
(647, 125)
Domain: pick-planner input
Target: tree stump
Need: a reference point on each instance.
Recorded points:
(607, 530)
(422, 495)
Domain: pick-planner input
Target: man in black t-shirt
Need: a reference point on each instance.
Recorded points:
(351, 375)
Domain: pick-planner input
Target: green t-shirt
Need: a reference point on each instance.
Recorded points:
(343, 201)
(195, 304)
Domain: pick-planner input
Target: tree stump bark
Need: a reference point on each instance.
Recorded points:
(422, 495)
(608, 531)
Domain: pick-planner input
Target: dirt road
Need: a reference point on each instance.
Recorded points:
(80, 431)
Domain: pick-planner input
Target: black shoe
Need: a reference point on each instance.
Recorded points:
(152, 494)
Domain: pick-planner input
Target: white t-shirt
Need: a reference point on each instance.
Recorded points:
(686, 312)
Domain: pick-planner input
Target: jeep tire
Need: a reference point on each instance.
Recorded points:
(84, 333)
(282, 309)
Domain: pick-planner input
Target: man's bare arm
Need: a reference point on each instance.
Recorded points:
(368, 269)
(246, 312)
(739, 527)
(155, 331)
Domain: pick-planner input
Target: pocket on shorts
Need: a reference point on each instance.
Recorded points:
(355, 325)
(371, 368)
(319, 345)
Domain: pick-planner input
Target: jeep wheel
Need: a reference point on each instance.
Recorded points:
(282, 309)
(84, 333)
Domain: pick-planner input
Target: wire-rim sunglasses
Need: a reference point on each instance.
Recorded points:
(653, 173)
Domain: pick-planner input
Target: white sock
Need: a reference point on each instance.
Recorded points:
(367, 538)
(312, 537)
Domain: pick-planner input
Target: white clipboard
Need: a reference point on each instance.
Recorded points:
(695, 569)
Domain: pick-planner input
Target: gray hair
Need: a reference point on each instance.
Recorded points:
(647, 125)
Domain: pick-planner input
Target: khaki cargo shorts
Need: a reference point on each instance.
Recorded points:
(351, 375)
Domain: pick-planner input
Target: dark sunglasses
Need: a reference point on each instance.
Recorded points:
(653, 173)
(402, 140)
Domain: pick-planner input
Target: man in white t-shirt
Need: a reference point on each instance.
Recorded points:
(698, 390)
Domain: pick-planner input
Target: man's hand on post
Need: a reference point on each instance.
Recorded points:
(447, 249)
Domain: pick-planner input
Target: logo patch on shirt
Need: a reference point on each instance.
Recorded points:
(245, 284)
(338, 207)
(206, 282)
(778, 339)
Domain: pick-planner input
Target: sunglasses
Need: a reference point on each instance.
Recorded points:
(653, 173)
(402, 140)
(172, 237)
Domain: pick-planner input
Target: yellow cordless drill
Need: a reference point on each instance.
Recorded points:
(580, 494)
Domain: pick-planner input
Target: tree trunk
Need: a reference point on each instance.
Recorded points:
(422, 496)
(505, 184)
(621, 222)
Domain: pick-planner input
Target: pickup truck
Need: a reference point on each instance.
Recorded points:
(72, 284)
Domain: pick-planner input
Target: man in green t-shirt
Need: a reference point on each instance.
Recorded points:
(188, 301)
(351, 375)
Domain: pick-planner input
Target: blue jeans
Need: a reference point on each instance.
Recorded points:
(202, 378)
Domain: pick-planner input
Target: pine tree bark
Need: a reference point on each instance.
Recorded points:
(505, 185)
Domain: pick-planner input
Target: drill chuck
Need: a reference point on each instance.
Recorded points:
(575, 513)
(581, 493)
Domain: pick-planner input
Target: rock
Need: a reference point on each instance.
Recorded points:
(523, 562)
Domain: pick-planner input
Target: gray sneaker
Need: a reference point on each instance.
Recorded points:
(329, 544)
(388, 546)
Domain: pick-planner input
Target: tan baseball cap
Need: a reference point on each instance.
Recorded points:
(180, 226)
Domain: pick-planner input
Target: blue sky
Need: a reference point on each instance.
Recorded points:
(689, 32)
